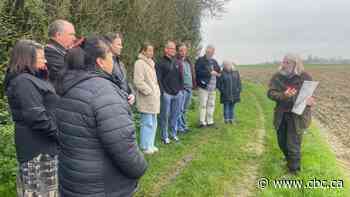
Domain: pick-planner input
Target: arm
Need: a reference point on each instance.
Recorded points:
(275, 92)
(116, 132)
(33, 110)
(139, 79)
(219, 84)
(193, 73)
(159, 75)
(239, 82)
(130, 89)
(55, 61)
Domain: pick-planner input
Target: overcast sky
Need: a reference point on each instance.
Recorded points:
(254, 31)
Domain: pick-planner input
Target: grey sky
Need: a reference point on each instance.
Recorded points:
(254, 31)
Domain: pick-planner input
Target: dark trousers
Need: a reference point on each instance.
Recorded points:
(289, 141)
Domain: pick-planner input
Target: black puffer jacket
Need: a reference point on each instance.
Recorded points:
(229, 84)
(32, 101)
(99, 155)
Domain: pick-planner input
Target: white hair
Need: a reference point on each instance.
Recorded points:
(57, 26)
(299, 66)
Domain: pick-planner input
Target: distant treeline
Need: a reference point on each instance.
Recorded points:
(138, 20)
(319, 60)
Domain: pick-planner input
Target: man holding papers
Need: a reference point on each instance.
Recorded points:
(284, 89)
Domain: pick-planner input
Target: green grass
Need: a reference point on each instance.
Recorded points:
(318, 161)
(220, 159)
(217, 162)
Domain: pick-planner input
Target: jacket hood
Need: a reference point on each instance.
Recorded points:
(73, 78)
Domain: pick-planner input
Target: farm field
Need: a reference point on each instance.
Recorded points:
(230, 160)
(333, 101)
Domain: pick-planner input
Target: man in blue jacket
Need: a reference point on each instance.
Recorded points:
(207, 71)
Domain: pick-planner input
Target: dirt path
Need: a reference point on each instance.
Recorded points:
(247, 185)
(170, 176)
(173, 171)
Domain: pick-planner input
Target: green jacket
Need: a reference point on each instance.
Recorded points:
(278, 85)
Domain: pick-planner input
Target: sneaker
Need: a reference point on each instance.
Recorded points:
(211, 125)
(202, 125)
(166, 141)
(293, 172)
(155, 149)
(176, 139)
(148, 152)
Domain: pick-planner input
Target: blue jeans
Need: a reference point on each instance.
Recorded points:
(229, 110)
(168, 114)
(148, 130)
(184, 104)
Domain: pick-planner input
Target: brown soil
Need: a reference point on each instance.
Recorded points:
(333, 103)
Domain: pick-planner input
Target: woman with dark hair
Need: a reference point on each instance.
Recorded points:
(147, 97)
(32, 101)
(99, 155)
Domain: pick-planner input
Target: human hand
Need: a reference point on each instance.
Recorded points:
(290, 92)
(310, 101)
(213, 72)
(131, 99)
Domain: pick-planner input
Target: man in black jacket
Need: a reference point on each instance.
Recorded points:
(170, 82)
(62, 37)
(99, 155)
(207, 71)
(119, 71)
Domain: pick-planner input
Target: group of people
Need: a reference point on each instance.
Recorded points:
(71, 103)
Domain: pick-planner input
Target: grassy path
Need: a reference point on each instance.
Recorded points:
(256, 146)
(228, 160)
(318, 161)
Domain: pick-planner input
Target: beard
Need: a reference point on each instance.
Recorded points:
(287, 71)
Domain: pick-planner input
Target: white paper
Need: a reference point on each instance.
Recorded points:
(307, 90)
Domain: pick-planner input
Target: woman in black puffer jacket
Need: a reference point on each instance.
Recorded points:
(99, 155)
(32, 102)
